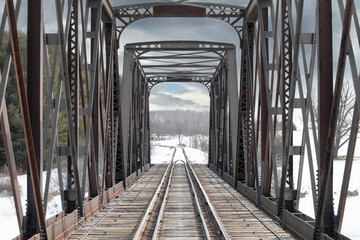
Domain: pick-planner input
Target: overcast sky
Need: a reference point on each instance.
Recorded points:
(171, 96)
(189, 96)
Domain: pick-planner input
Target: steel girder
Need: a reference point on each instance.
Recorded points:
(286, 62)
(10, 156)
(127, 14)
(89, 94)
(75, 79)
(137, 82)
(27, 117)
(287, 72)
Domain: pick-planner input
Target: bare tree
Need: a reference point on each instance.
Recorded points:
(180, 123)
(347, 104)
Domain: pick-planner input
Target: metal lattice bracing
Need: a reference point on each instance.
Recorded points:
(94, 124)
(211, 64)
(127, 14)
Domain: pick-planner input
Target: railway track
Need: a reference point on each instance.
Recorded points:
(182, 210)
(120, 217)
(242, 219)
(180, 201)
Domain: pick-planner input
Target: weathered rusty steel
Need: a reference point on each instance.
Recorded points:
(73, 152)
(73, 70)
(264, 108)
(15, 51)
(325, 95)
(179, 11)
(10, 157)
(100, 105)
(107, 15)
(95, 124)
(348, 168)
(286, 69)
(35, 103)
(242, 118)
(326, 175)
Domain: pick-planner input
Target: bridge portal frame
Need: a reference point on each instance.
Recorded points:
(135, 89)
(85, 82)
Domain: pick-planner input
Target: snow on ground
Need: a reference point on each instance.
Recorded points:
(352, 209)
(161, 154)
(196, 155)
(8, 221)
(162, 151)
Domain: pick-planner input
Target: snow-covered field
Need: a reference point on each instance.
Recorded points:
(8, 221)
(350, 226)
(162, 151)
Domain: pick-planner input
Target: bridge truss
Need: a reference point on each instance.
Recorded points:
(107, 142)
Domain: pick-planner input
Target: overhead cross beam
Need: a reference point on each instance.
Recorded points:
(127, 14)
(98, 123)
(221, 82)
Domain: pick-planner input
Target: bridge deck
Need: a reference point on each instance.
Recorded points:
(180, 218)
(120, 219)
(240, 217)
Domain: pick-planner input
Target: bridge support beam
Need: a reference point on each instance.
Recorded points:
(35, 99)
(325, 95)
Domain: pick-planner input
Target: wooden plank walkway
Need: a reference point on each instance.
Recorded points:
(240, 217)
(120, 218)
(180, 219)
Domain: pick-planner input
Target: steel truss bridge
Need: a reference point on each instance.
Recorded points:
(107, 116)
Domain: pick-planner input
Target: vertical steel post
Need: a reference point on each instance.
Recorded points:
(120, 174)
(109, 45)
(31, 153)
(148, 153)
(325, 93)
(34, 96)
(286, 69)
(264, 109)
(95, 109)
(73, 57)
(325, 219)
(243, 138)
(211, 128)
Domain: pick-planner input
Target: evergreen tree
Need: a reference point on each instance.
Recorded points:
(13, 108)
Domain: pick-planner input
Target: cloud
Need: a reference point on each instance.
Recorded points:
(192, 96)
(169, 100)
(163, 101)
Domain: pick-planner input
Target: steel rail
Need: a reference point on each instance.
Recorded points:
(206, 230)
(245, 205)
(88, 231)
(208, 201)
(142, 225)
(163, 204)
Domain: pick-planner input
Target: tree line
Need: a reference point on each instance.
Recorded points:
(179, 122)
(13, 107)
(12, 104)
